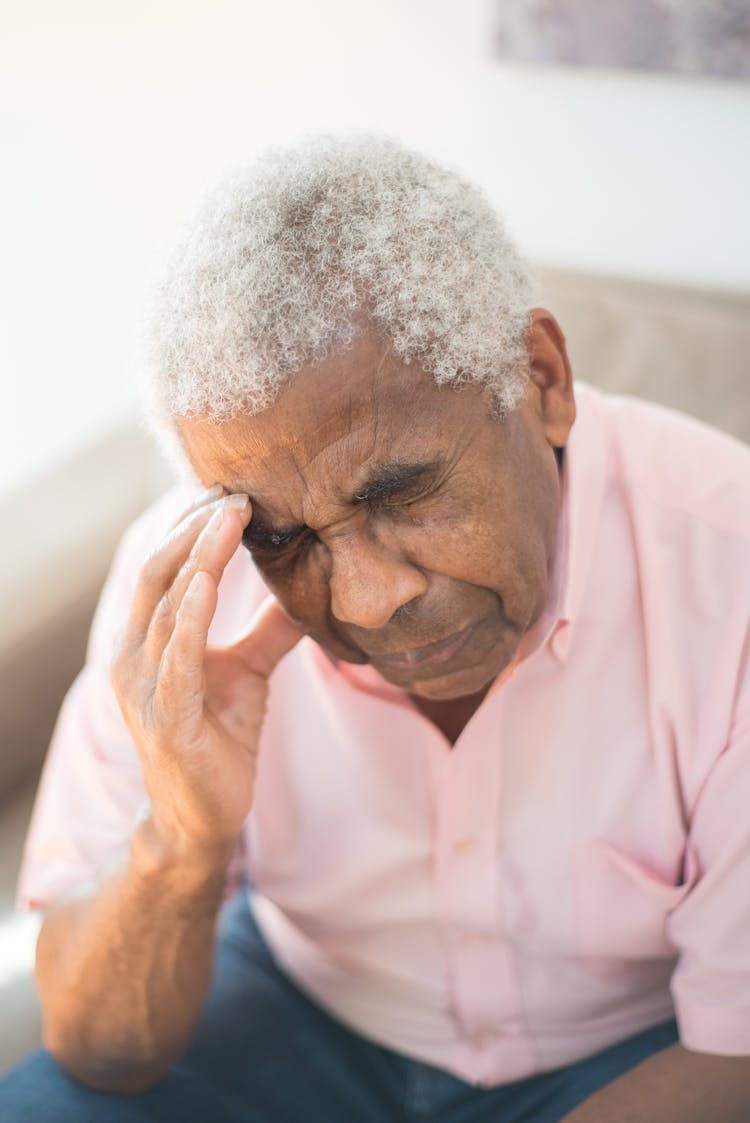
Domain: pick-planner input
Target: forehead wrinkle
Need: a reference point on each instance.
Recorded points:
(302, 485)
(331, 476)
(368, 414)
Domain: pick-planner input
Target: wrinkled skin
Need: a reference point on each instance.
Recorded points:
(398, 523)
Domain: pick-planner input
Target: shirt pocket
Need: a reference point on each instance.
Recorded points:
(622, 906)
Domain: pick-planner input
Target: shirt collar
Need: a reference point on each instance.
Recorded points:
(584, 482)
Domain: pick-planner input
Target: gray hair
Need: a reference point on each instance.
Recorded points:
(291, 258)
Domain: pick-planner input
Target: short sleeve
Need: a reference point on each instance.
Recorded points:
(91, 794)
(711, 926)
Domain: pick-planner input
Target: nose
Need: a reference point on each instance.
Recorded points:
(369, 581)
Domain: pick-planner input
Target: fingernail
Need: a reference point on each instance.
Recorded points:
(237, 499)
(214, 492)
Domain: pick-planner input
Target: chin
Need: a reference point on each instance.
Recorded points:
(449, 686)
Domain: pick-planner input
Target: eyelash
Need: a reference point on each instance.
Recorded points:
(274, 545)
(396, 503)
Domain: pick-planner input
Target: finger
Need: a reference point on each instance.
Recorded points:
(162, 566)
(202, 499)
(179, 692)
(212, 550)
(270, 636)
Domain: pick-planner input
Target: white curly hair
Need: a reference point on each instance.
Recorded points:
(293, 257)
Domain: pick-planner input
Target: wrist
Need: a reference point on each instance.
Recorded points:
(168, 857)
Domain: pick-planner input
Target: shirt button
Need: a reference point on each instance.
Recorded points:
(468, 939)
(484, 1037)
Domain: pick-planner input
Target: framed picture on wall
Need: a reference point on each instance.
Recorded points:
(708, 37)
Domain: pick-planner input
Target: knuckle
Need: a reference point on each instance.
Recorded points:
(165, 611)
(163, 711)
(167, 606)
(187, 569)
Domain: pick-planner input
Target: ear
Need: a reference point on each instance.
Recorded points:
(550, 377)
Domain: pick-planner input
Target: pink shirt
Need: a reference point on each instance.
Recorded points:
(577, 868)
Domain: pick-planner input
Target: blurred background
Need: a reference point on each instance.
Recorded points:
(628, 188)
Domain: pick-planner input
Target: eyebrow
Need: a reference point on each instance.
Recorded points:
(392, 479)
(385, 482)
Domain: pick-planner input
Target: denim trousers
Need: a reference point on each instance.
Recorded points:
(264, 1053)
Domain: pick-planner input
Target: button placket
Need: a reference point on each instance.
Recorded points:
(466, 873)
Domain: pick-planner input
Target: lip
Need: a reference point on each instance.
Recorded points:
(430, 655)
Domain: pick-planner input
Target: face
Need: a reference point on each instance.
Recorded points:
(398, 523)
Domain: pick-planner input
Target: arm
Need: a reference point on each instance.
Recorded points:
(675, 1085)
(123, 973)
(711, 984)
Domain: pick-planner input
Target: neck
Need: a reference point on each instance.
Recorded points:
(450, 717)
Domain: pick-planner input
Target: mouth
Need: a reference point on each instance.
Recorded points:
(432, 654)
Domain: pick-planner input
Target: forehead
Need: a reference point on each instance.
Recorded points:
(334, 421)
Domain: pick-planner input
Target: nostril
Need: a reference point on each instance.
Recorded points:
(368, 600)
(405, 611)
(369, 584)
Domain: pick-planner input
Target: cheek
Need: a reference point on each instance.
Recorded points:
(495, 552)
(468, 550)
(458, 553)
(300, 587)
(431, 535)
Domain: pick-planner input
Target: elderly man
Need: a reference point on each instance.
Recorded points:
(482, 756)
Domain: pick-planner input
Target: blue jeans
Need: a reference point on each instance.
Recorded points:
(264, 1053)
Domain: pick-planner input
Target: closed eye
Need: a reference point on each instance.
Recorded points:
(395, 502)
(265, 539)
(397, 485)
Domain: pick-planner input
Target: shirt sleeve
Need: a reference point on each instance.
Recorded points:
(711, 926)
(91, 794)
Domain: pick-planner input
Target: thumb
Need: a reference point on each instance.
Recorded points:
(268, 639)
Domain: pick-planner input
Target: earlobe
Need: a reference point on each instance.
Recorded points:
(551, 375)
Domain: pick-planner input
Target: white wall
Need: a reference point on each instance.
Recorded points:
(114, 118)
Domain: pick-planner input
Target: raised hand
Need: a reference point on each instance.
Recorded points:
(196, 712)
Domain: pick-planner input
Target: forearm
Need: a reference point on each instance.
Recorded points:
(123, 974)
(675, 1085)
